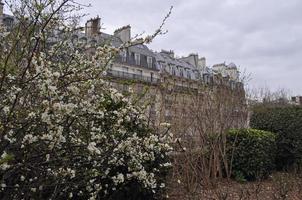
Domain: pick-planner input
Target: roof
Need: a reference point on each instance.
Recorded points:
(143, 49)
(163, 57)
(232, 65)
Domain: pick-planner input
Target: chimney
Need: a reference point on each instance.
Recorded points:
(169, 53)
(124, 33)
(192, 59)
(93, 26)
(202, 63)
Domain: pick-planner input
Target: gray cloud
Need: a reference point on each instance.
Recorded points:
(264, 37)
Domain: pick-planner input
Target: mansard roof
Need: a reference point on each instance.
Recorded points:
(142, 49)
(232, 65)
(164, 57)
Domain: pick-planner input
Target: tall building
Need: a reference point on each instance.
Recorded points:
(174, 84)
(172, 89)
(7, 21)
(296, 100)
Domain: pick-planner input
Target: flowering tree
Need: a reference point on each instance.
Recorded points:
(63, 132)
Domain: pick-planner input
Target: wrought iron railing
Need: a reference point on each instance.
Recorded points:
(131, 76)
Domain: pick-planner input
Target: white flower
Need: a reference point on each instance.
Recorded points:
(29, 139)
(47, 157)
(93, 149)
(4, 166)
(31, 114)
(73, 89)
(167, 165)
(46, 117)
(118, 179)
(166, 125)
(22, 178)
(6, 109)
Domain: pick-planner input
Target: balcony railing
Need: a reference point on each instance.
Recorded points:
(131, 76)
(131, 61)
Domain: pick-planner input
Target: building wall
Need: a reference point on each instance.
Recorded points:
(1, 12)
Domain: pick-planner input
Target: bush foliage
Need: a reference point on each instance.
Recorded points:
(251, 152)
(286, 122)
(64, 133)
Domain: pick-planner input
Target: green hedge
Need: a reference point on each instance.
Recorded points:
(251, 153)
(286, 122)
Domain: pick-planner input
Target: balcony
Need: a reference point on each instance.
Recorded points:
(131, 76)
(129, 60)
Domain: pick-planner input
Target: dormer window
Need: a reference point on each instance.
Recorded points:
(196, 75)
(206, 79)
(170, 68)
(149, 62)
(181, 73)
(137, 59)
(188, 74)
(173, 71)
(124, 55)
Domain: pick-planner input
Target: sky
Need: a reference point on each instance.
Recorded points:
(263, 37)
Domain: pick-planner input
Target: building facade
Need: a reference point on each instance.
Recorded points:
(175, 86)
(296, 100)
(6, 21)
(171, 89)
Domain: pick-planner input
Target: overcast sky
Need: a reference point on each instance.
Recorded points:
(262, 36)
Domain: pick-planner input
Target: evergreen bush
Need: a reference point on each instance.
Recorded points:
(286, 122)
(251, 153)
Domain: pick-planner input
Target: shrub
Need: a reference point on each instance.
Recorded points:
(251, 153)
(286, 122)
(64, 133)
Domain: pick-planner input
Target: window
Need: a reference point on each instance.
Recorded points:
(149, 62)
(196, 75)
(181, 73)
(137, 59)
(125, 69)
(167, 68)
(139, 73)
(189, 74)
(124, 55)
(173, 71)
(206, 78)
(160, 65)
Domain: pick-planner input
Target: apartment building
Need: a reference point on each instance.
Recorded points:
(6, 21)
(296, 100)
(170, 86)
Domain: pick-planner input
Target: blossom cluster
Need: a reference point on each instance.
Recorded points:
(66, 134)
